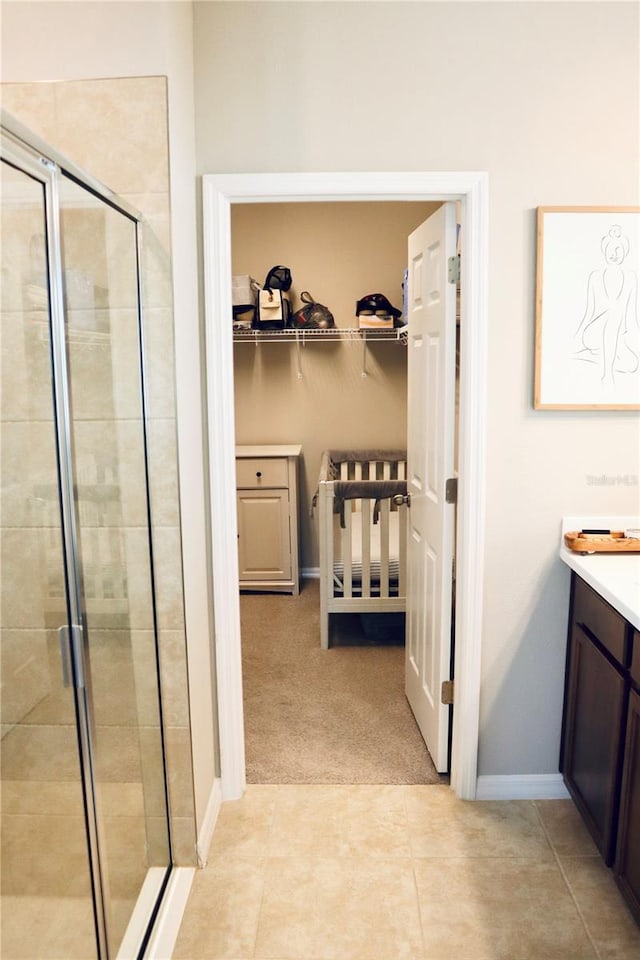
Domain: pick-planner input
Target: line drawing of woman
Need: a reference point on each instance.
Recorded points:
(608, 333)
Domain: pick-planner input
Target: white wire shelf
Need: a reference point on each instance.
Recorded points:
(398, 335)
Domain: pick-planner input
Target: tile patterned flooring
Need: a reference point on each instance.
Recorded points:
(402, 873)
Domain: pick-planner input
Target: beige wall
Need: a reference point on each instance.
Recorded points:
(338, 252)
(544, 96)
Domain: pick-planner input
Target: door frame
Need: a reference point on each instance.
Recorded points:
(219, 192)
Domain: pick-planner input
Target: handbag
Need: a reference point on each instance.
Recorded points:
(272, 311)
(313, 315)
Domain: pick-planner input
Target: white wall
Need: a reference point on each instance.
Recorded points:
(66, 41)
(544, 96)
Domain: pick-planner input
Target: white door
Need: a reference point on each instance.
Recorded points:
(430, 462)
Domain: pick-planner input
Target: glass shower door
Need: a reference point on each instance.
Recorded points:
(47, 898)
(85, 827)
(102, 310)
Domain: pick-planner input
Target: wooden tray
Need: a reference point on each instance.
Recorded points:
(614, 542)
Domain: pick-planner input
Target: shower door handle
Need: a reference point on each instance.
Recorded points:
(70, 639)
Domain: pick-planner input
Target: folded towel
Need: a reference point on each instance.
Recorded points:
(376, 490)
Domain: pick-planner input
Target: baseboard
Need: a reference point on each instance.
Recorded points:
(167, 926)
(310, 573)
(208, 824)
(543, 786)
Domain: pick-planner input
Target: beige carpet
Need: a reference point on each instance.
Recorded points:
(326, 716)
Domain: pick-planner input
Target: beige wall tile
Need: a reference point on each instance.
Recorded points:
(117, 754)
(173, 667)
(157, 288)
(152, 780)
(115, 693)
(163, 460)
(145, 678)
(125, 841)
(159, 363)
(135, 110)
(137, 567)
(37, 753)
(111, 472)
(104, 373)
(24, 673)
(32, 578)
(121, 799)
(42, 797)
(33, 847)
(178, 747)
(99, 255)
(48, 927)
(33, 104)
(168, 578)
(29, 454)
(158, 847)
(183, 841)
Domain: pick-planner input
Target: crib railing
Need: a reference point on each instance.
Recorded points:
(362, 568)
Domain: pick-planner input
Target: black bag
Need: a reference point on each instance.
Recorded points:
(313, 315)
(278, 278)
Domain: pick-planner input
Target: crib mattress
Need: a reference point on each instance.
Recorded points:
(356, 549)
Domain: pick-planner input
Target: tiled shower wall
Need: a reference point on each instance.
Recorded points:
(116, 130)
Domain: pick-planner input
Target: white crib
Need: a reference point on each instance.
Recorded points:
(362, 533)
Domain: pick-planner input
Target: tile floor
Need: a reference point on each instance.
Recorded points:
(402, 873)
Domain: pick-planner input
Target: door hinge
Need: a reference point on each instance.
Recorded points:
(453, 269)
(446, 694)
(451, 490)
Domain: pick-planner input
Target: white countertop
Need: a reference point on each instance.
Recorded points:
(615, 576)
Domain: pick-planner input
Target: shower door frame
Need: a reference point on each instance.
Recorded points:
(28, 153)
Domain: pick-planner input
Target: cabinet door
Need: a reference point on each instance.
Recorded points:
(593, 738)
(628, 854)
(264, 551)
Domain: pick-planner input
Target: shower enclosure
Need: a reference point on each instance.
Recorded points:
(86, 848)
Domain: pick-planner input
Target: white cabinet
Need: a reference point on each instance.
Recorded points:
(267, 502)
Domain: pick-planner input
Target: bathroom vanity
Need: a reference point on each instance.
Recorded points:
(600, 747)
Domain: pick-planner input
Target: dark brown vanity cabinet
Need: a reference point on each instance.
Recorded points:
(627, 866)
(600, 752)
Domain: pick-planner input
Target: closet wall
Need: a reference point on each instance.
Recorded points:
(317, 395)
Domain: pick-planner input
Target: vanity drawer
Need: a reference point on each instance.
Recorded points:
(261, 472)
(601, 620)
(635, 657)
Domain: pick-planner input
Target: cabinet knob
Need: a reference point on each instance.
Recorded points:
(258, 474)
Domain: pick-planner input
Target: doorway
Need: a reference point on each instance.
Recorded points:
(339, 389)
(85, 828)
(219, 193)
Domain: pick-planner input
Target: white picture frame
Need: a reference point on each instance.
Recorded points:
(587, 347)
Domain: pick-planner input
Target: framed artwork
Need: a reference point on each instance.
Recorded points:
(588, 309)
